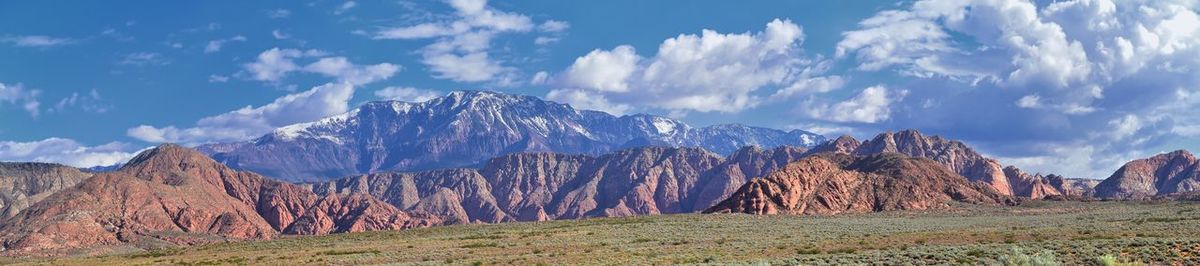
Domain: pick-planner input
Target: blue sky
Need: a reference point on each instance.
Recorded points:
(1073, 87)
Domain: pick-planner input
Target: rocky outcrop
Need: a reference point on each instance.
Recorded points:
(1074, 187)
(836, 183)
(547, 186)
(1160, 175)
(467, 128)
(1027, 185)
(22, 184)
(953, 154)
(843, 144)
(963, 160)
(172, 195)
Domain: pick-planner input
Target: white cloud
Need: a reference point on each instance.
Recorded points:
(144, 59)
(35, 41)
(554, 26)
(707, 72)
(346, 6)
(249, 122)
(65, 151)
(539, 78)
(462, 45)
(217, 79)
(589, 101)
(279, 13)
(16, 94)
(279, 35)
(215, 45)
(407, 94)
(542, 40)
(1074, 86)
(274, 64)
(605, 71)
(871, 105)
(91, 102)
(345, 71)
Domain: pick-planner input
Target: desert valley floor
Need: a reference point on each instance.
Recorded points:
(1073, 233)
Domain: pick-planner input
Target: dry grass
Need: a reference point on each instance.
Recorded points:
(1069, 232)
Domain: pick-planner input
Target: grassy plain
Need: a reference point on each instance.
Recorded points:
(1071, 233)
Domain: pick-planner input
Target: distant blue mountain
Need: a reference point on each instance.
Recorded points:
(465, 128)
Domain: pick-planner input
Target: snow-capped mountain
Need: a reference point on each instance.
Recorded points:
(464, 128)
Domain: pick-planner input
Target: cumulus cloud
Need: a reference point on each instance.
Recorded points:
(40, 41)
(215, 45)
(407, 94)
(871, 105)
(249, 122)
(66, 151)
(711, 71)
(274, 64)
(461, 50)
(18, 95)
(1072, 87)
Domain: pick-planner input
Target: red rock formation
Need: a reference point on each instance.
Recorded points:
(1160, 175)
(544, 186)
(22, 184)
(844, 145)
(1074, 187)
(833, 184)
(1030, 186)
(953, 154)
(172, 195)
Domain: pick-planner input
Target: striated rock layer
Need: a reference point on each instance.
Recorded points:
(172, 195)
(837, 183)
(1165, 174)
(22, 184)
(961, 159)
(547, 186)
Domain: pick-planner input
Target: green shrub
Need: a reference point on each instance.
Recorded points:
(1018, 257)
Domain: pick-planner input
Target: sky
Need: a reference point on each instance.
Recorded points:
(1068, 87)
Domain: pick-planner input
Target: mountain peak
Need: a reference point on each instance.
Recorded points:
(166, 157)
(466, 128)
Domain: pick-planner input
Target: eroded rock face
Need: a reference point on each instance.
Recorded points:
(546, 186)
(1160, 175)
(1075, 187)
(950, 153)
(834, 183)
(22, 184)
(963, 160)
(1031, 186)
(172, 195)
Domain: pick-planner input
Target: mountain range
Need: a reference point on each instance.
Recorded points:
(466, 128)
(484, 157)
(171, 195)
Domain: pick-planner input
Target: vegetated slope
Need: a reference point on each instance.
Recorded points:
(22, 184)
(837, 183)
(171, 195)
(465, 129)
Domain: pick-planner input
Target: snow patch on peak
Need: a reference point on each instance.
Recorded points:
(314, 129)
(664, 126)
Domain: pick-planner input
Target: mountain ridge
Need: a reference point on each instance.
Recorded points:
(466, 128)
